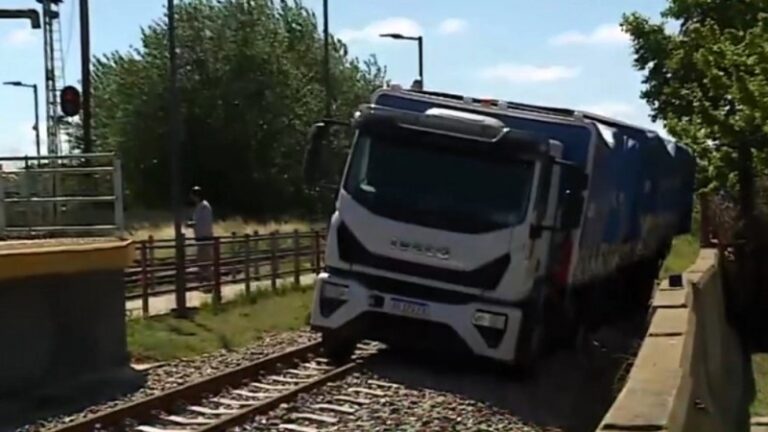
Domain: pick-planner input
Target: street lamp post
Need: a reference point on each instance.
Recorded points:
(37, 109)
(420, 41)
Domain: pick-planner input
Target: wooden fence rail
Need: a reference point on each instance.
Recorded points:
(235, 259)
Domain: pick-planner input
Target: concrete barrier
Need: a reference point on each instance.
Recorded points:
(62, 326)
(692, 373)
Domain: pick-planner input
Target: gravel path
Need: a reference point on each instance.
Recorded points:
(180, 372)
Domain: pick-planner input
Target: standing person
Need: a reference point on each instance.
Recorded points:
(202, 225)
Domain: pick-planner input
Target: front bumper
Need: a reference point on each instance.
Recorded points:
(355, 310)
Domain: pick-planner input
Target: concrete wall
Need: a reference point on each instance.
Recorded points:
(62, 324)
(692, 373)
(60, 327)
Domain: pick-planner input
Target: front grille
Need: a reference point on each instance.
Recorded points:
(416, 291)
(486, 277)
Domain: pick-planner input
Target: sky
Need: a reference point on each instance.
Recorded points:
(568, 53)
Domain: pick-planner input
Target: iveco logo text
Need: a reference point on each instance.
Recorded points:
(442, 253)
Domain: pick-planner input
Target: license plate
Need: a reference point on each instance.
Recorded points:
(408, 307)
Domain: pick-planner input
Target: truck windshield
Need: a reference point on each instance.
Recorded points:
(440, 187)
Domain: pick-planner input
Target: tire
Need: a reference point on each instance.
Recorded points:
(535, 336)
(339, 350)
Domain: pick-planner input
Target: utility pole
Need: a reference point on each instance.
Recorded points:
(174, 119)
(85, 66)
(326, 61)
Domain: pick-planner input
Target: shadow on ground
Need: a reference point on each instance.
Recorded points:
(571, 392)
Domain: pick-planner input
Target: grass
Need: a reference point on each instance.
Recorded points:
(683, 254)
(142, 230)
(760, 370)
(233, 325)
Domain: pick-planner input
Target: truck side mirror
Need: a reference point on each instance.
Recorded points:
(579, 180)
(573, 207)
(573, 176)
(314, 156)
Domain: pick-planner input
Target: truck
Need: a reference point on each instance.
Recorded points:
(497, 228)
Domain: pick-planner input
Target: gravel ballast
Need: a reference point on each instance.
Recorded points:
(423, 393)
(184, 371)
(401, 408)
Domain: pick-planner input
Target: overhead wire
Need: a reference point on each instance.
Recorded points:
(71, 31)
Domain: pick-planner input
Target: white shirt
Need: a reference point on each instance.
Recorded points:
(203, 219)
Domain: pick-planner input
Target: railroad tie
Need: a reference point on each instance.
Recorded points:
(232, 402)
(368, 392)
(318, 367)
(384, 384)
(291, 380)
(296, 428)
(343, 409)
(210, 411)
(315, 417)
(270, 386)
(369, 344)
(185, 421)
(144, 428)
(356, 401)
(302, 372)
(259, 395)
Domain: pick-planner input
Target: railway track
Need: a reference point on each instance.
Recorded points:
(234, 397)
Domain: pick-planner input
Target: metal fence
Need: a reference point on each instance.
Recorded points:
(46, 196)
(266, 260)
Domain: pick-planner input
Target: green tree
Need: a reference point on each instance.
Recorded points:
(707, 80)
(250, 86)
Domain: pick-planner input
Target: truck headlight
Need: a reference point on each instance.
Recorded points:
(490, 320)
(336, 291)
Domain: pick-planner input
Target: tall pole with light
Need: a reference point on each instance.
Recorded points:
(37, 109)
(175, 150)
(85, 73)
(420, 41)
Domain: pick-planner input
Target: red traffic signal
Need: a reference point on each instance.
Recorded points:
(70, 101)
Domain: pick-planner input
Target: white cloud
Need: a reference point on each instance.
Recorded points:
(452, 26)
(371, 32)
(602, 35)
(517, 73)
(19, 37)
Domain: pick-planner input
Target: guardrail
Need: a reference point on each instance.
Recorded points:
(236, 259)
(692, 372)
(36, 201)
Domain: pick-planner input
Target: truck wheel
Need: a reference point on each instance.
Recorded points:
(530, 350)
(535, 335)
(338, 350)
